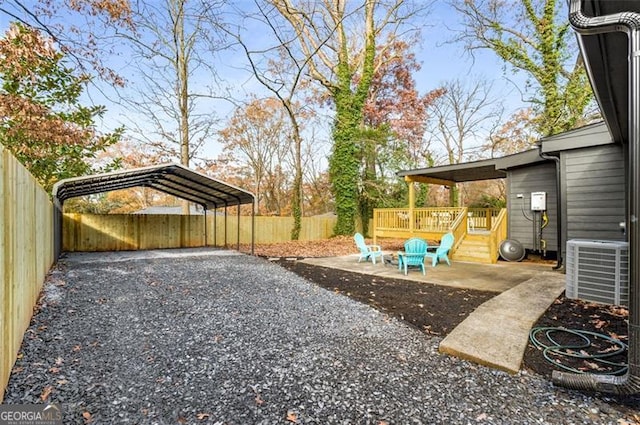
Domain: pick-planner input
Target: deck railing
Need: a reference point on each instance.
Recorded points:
(482, 218)
(432, 223)
(498, 232)
(423, 219)
(459, 229)
(428, 223)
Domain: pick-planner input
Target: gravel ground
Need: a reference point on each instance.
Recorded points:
(227, 338)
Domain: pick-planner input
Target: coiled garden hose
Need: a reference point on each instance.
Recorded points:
(553, 350)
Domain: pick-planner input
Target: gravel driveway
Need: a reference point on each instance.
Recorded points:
(226, 338)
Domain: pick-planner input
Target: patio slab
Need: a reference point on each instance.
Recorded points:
(483, 277)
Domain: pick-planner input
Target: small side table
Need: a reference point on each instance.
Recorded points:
(391, 259)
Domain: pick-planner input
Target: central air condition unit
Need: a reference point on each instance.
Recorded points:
(598, 271)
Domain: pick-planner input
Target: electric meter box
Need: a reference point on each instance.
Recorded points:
(538, 201)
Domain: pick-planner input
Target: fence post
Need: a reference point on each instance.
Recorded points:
(375, 225)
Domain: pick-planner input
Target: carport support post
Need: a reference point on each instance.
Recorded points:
(253, 225)
(57, 228)
(226, 223)
(215, 227)
(205, 226)
(238, 230)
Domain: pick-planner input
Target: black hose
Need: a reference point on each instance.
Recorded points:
(553, 351)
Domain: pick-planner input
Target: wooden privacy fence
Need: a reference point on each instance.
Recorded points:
(117, 232)
(26, 255)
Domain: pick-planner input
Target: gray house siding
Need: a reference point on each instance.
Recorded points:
(535, 178)
(594, 192)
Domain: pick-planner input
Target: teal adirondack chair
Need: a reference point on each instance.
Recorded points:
(442, 252)
(367, 251)
(413, 255)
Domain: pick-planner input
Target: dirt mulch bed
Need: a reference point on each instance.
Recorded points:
(575, 315)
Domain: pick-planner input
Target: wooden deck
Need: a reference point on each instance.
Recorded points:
(477, 232)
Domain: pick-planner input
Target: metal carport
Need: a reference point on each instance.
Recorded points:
(173, 179)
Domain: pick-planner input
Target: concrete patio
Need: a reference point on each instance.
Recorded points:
(483, 277)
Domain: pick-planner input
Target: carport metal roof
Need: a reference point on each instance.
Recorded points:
(174, 179)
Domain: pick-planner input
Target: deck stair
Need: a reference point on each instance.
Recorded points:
(475, 247)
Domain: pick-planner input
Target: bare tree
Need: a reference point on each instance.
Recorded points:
(317, 193)
(257, 138)
(461, 119)
(281, 71)
(515, 135)
(173, 46)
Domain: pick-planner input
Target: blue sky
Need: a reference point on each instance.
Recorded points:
(441, 61)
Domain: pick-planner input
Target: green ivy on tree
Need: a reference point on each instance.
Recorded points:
(533, 36)
(344, 163)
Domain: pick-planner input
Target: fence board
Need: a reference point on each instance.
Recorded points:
(117, 232)
(26, 254)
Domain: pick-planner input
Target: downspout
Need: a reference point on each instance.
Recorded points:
(629, 23)
(555, 159)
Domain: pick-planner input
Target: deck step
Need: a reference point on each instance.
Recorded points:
(474, 244)
(480, 251)
(474, 248)
(477, 237)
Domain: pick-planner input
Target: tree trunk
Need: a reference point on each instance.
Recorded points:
(296, 201)
(183, 90)
(344, 162)
(454, 196)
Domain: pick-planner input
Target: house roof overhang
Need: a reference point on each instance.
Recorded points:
(595, 134)
(606, 55)
(487, 169)
(173, 179)
(451, 174)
